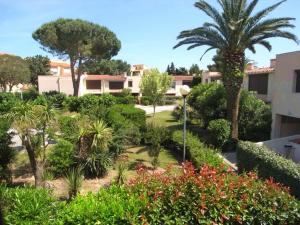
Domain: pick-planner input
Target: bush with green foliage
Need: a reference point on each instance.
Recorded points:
(74, 178)
(219, 132)
(113, 206)
(88, 102)
(69, 128)
(72, 104)
(213, 196)
(29, 95)
(155, 136)
(7, 102)
(209, 103)
(129, 112)
(96, 164)
(7, 154)
(209, 100)
(197, 152)
(55, 98)
(61, 157)
(145, 100)
(255, 118)
(26, 206)
(268, 164)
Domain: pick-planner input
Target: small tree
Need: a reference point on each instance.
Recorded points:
(155, 136)
(13, 70)
(33, 122)
(155, 85)
(38, 65)
(78, 40)
(108, 67)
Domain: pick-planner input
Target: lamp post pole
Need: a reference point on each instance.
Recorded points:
(184, 127)
(184, 91)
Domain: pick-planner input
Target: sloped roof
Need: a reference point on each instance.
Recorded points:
(106, 77)
(183, 78)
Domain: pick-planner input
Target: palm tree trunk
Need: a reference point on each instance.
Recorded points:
(37, 168)
(233, 73)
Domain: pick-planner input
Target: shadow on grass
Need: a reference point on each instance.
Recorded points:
(142, 150)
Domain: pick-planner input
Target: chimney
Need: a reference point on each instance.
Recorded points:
(272, 63)
(250, 66)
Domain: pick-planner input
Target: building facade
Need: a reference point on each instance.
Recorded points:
(286, 96)
(257, 80)
(61, 81)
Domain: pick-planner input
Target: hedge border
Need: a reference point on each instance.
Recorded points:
(267, 163)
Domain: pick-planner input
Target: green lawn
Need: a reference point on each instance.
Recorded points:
(165, 119)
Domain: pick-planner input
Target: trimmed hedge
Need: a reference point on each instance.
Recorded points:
(268, 164)
(196, 151)
(129, 112)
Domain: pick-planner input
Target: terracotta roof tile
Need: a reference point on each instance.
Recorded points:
(106, 77)
(262, 70)
(187, 78)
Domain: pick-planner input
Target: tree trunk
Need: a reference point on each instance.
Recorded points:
(154, 107)
(36, 167)
(75, 80)
(232, 75)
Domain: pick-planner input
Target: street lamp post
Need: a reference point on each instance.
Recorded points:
(184, 90)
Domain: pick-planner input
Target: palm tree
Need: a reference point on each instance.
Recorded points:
(233, 30)
(102, 135)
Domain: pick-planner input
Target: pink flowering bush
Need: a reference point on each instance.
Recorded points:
(213, 196)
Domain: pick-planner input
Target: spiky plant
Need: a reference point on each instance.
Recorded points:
(74, 178)
(232, 30)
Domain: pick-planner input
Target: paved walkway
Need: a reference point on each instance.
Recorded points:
(149, 108)
(230, 157)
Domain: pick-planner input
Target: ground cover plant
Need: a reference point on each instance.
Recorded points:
(205, 196)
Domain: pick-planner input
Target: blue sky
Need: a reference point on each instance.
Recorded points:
(146, 28)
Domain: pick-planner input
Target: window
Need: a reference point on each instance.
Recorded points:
(297, 81)
(116, 85)
(173, 84)
(93, 84)
(130, 83)
(259, 83)
(187, 82)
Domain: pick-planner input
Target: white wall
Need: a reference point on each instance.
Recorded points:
(284, 100)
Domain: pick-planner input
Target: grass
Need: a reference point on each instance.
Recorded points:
(165, 119)
(139, 155)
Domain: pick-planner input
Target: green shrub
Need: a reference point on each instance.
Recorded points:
(145, 100)
(209, 100)
(219, 132)
(55, 98)
(108, 100)
(69, 128)
(29, 95)
(255, 118)
(129, 112)
(7, 154)
(213, 196)
(72, 104)
(96, 164)
(61, 157)
(111, 206)
(129, 100)
(170, 100)
(28, 206)
(197, 152)
(268, 164)
(7, 102)
(209, 103)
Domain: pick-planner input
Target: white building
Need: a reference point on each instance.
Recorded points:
(257, 80)
(61, 81)
(286, 95)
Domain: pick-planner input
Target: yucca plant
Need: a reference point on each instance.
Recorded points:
(74, 178)
(234, 29)
(121, 177)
